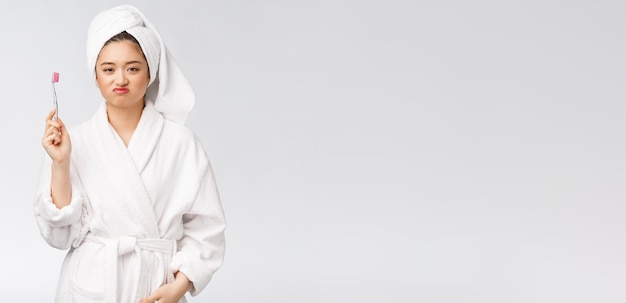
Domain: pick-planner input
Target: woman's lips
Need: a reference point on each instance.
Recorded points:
(120, 90)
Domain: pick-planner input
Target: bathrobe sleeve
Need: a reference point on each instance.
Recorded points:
(201, 249)
(61, 228)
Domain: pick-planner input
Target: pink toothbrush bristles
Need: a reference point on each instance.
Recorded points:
(55, 77)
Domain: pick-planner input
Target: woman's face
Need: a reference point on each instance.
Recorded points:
(122, 74)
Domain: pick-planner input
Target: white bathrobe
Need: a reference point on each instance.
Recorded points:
(138, 214)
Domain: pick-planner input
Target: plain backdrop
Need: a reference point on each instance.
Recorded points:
(365, 151)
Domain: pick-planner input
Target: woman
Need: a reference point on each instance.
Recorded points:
(131, 194)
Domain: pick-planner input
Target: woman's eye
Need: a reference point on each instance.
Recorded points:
(133, 69)
(107, 70)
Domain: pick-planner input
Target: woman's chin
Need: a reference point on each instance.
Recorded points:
(124, 102)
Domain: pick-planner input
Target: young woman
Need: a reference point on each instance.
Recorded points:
(131, 194)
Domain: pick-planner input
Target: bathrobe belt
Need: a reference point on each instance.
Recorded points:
(115, 248)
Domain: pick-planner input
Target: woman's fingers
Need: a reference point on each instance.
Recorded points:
(62, 130)
(51, 114)
(56, 139)
(51, 139)
(151, 299)
(54, 123)
(52, 131)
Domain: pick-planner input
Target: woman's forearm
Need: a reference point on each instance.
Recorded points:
(60, 186)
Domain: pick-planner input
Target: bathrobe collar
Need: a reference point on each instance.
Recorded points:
(124, 165)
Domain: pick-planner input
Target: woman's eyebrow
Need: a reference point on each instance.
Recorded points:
(127, 63)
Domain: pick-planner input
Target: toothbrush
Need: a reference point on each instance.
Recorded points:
(55, 79)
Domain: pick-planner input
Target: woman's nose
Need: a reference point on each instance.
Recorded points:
(120, 78)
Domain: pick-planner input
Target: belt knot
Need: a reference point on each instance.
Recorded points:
(126, 244)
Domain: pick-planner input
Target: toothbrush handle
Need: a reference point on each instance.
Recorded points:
(56, 104)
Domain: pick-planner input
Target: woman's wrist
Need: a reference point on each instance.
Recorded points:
(60, 165)
(182, 280)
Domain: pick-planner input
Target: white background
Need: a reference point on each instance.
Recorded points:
(366, 151)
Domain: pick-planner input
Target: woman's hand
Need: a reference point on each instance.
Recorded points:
(171, 292)
(56, 140)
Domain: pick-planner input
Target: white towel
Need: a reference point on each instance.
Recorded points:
(169, 89)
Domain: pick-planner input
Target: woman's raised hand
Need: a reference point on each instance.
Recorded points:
(56, 140)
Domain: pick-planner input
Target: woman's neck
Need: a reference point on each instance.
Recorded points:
(124, 120)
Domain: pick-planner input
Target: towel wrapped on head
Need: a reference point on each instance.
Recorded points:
(169, 89)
